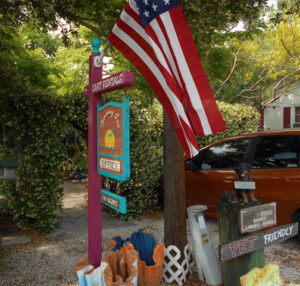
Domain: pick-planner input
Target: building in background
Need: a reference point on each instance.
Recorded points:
(283, 112)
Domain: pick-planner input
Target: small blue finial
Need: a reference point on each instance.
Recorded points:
(96, 43)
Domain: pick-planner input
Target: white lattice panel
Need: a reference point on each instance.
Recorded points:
(173, 270)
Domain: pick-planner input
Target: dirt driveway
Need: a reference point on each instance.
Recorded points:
(33, 259)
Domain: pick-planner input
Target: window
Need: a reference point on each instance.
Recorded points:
(277, 152)
(297, 114)
(225, 155)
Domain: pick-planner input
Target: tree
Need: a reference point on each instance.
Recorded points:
(265, 66)
(99, 18)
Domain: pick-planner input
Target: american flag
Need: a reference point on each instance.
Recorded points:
(155, 37)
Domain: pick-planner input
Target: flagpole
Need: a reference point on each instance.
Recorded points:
(103, 53)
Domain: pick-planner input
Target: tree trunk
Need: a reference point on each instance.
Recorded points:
(174, 189)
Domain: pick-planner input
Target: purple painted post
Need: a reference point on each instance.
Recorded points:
(94, 179)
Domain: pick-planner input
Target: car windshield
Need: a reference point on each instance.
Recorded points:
(225, 155)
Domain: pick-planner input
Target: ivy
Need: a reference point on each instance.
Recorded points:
(146, 159)
(34, 124)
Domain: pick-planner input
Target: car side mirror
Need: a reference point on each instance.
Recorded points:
(190, 165)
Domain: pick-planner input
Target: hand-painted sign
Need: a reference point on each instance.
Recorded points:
(114, 201)
(113, 140)
(116, 81)
(258, 217)
(248, 244)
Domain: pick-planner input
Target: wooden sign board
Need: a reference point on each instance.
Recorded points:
(248, 244)
(244, 185)
(117, 81)
(114, 201)
(113, 140)
(258, 217)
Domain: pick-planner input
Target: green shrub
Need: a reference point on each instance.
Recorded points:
(147, 151)
(35, 125)
(34, 128)
(239, 119)
(146, 158)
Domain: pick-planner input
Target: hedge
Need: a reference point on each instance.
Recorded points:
(37, 125)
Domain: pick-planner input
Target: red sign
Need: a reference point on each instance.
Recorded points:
(114, 82)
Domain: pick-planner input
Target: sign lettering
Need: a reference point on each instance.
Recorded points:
(110, 165)
(116, 81)
(114, 201)
(244, 185)
(248, 244)
(258, 217)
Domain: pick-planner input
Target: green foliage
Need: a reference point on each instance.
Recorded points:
(71, 65)
(36, 38)
(211, 20)
(39, 124)
(19, 63)
(239, 119)
(146, 156)
(32, 121)
(265, 65)
(219, 61)
(34, 124)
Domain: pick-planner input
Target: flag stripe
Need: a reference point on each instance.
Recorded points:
(130, 27)
(191, 56)
(155, 37)
(156, 33)
(129, 23)
(168, 50)
(185, 71)
(173, 106)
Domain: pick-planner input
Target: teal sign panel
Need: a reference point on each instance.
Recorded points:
(114, 201)
(113, 140)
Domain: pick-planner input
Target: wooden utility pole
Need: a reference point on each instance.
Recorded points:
(174, 189)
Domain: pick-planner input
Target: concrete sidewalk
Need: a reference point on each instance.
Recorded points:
(74, 221)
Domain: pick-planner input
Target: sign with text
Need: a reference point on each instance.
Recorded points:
(113, 140)
(258, 217)
(250, 243)
(244, 185)
(117, 81)
(114, 201)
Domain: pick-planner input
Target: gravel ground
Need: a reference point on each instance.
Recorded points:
(34, 259)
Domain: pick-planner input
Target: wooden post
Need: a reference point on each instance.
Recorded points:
(94, 179)
(94, 91)
(233, 269)
(174, 189)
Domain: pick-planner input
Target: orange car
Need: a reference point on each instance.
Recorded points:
(275, 160)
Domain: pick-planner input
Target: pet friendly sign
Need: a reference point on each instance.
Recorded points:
(113, 140)
(248, 244)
